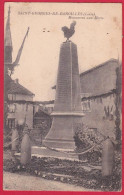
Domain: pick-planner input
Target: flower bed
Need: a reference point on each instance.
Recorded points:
(72, 172)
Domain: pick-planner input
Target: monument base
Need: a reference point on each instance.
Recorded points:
(46, 152)
(60, 144)
(61, 134)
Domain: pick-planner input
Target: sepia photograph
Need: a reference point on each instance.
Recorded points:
(62, 97)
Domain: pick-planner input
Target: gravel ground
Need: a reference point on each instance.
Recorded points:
(13, 181)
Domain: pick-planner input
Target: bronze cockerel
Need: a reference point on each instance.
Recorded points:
(68, 32)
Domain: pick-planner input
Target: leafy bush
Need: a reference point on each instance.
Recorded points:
(85, 138)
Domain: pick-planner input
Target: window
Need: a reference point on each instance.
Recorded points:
(108, 113)
(11, 123)
(86, 107)
(26, 107)
(12, 108)
(12, 96)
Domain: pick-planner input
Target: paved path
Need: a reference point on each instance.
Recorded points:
(14, 181)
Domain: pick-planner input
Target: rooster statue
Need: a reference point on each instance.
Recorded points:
(68, 32)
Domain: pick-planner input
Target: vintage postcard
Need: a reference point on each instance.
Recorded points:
(62, 97)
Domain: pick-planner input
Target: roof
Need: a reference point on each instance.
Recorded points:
(95, 68)
(41, 113)
(99, 66)
(16, 88)
(20, 102)
(101, 79)
(44, 102)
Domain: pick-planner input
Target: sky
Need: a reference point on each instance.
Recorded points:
(98, 36)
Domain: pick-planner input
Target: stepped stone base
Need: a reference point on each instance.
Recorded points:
(61, 134)
(46, 152)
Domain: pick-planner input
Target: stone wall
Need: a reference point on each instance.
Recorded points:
(100, 114)
(99, 80)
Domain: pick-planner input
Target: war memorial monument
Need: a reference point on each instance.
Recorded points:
(67, 114)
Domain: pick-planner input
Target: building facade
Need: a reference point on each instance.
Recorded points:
(20, 105)
(101, 98)
(18, 101)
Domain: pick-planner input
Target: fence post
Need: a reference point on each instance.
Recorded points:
(25, 146)
(14, 141)
(107, 157)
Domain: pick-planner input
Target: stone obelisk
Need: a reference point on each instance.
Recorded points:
(67, 113)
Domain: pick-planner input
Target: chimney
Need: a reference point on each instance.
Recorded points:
(16, 80)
